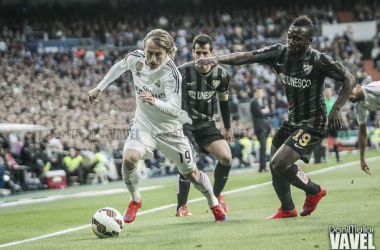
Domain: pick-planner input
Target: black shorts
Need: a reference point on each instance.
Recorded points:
(302, 139)
(333, 133)
(203, 134)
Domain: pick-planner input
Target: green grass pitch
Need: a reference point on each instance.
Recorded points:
(353, 197)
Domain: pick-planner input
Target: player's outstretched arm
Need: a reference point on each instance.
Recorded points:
(362, 137)
(348, 84)
(238, 58)
(112, 75)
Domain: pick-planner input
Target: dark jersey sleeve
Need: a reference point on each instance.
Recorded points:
(182, 71)
(223, 99)
(268, 54)
(331, 68)
(223, 88)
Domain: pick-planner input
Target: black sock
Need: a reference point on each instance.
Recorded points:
(295, 176)
(336, 152)
(221, 176)
(183, 188)
(282, 188)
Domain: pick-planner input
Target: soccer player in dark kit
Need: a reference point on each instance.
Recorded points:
(302, 71)
(201, 87)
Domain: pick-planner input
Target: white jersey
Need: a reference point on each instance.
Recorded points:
(164, 83)
(371, 102)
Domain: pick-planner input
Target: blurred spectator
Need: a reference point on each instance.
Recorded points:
(72, 165)
(260, 111)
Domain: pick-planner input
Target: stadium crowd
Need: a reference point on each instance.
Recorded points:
(50, 89)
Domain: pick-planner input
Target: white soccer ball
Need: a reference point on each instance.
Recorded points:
(107, 222)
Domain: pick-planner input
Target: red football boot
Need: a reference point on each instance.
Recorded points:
(130, 213)
(183, 212)
(219, 213)
(223, 203)
(312, 201)
(281, 214)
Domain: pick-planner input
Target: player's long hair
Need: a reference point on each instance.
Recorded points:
(163, 39)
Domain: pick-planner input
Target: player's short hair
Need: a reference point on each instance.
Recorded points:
(163, 39)
(304, 21)
(202, 40)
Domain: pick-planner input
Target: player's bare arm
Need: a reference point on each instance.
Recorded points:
(238, 58)
(362, 137)
(348, 84)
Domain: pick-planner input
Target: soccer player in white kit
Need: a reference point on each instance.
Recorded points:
(368, 99)
(158, 118)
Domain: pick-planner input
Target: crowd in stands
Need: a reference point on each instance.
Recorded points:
(50, 89)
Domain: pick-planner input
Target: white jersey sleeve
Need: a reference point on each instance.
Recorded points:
(172, 85)
(119, 68)
(362, 113)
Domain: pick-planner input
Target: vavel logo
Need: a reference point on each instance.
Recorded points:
(351, 237)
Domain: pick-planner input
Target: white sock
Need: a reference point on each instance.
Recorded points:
(205, 187)
(132, 179)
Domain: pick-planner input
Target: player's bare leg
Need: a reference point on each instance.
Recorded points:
(222, 152)
(201, 182)
(283, 165)
(131, 176)
(282, 188)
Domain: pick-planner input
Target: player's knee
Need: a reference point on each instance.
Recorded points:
(225, 159)
(278, 165)
(130, 161)
(192, 176)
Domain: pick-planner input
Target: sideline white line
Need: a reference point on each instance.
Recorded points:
(191, 201)
(75, 195)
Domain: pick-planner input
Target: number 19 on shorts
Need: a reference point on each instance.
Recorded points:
(302, 138)
(186, 158)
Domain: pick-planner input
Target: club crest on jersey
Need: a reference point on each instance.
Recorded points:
(139, 66)
(157, 84)
(215, 83)
(307, 68)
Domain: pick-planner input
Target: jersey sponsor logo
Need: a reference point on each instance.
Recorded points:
(307, 68)
(298, 146)
(200, 95)
(155, 95)
(295, 81)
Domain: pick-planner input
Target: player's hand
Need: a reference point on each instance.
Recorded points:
(365, 167)
(93, 96)
(334, 122)
(228, 136)
(206, 61)
(147, 97)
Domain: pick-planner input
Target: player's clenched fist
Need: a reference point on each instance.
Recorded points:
(147, 97)
(93, 96)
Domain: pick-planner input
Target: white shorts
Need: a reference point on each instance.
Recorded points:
(175, 146)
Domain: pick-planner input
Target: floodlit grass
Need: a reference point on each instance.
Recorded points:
(353, 197)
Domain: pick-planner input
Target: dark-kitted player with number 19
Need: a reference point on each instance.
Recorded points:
(302, 71)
